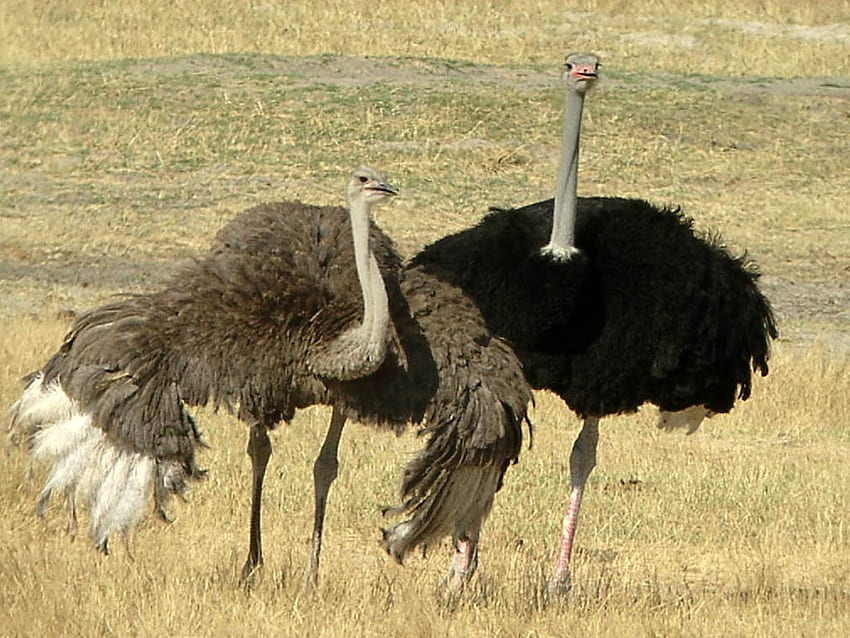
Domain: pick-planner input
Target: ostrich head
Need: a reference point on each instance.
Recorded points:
(580, 71)
(369, 187)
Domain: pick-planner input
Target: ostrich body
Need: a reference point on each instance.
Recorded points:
(646, 309)
(285, 311)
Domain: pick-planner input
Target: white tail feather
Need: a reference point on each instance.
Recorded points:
(84, 465)
(40, 404)
(63, 437)
(68, 467)
(689, 419)
(119, 485)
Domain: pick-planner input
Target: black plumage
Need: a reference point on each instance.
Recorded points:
(650, 311)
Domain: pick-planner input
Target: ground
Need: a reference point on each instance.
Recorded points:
(811, 304)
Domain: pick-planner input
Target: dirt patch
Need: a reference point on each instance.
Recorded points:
(353, 71)
(827, 33)
(810, 312)
(807, 312)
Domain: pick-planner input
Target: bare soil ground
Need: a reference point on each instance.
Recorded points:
(345, 71)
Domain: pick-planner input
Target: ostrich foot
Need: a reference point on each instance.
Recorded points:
(310, 577)
(309, 582)
(560, 586)
(454, 582)
(249, 572)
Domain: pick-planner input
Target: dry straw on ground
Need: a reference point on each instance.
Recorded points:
(764, 37)
(126, 144)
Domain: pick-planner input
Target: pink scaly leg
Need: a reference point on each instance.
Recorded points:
(464, 563)
(582, 462)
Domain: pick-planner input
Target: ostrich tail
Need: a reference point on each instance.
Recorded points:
(37, 405)
(448, 489)
(688, 419)
(87, 467)
(457, 504)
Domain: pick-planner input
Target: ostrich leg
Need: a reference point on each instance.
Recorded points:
(259, 449)
(324, 473)
(582, 462)
(464, 563)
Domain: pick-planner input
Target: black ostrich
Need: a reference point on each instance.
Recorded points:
(285, 311)
(641, 309)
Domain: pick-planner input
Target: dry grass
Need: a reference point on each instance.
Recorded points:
(738, 530)
(764, 37)
(115, 168)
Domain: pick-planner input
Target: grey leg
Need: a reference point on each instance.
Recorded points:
(324, 473)
(72, 514)
(259, 449)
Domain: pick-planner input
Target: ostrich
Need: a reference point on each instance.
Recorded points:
(641, 309)
(284, 311)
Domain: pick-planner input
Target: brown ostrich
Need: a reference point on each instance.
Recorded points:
(283, 312)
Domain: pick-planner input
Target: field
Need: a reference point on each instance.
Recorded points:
(130, 132)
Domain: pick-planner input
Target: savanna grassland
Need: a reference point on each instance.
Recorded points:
(130, 132)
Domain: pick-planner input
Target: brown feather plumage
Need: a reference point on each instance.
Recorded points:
(236, 328)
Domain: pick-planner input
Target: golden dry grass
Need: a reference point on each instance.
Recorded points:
(126, 143)
(765, 37)
(738, 530)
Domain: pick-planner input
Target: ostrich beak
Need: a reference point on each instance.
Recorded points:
(383, 187)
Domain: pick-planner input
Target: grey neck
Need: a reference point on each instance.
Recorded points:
(373, 329)
(561, 244)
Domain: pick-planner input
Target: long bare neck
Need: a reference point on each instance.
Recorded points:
(562, 241)
(376, 316)
(360, 350)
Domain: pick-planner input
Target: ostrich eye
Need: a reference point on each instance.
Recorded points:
(568, 66)
(363, 179)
